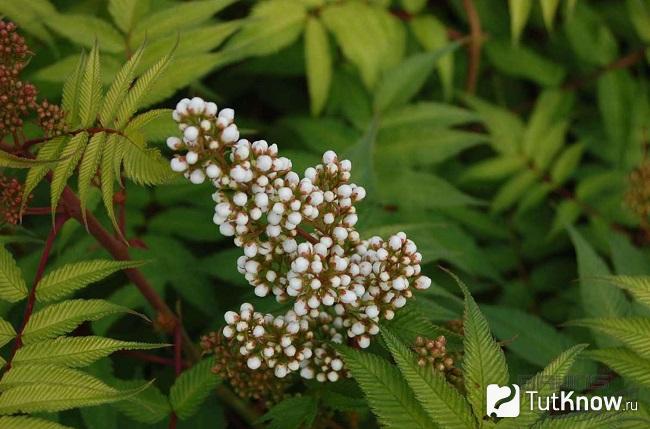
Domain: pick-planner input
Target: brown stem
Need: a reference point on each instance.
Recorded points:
(621, 63)
(307, 236)
(31, 299)
(120, 251)
(95, 130)
(474, 49)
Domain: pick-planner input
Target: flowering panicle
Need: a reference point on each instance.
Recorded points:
(299, 244)
(11, 198)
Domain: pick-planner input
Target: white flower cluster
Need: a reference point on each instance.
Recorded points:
(299, 243)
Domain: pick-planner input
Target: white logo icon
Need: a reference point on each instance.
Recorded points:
(503, 401)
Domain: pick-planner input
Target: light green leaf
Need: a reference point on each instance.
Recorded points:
(432, 35)
(12, 284)
(24, 422)
(107, 173)
(90, 89)
(63, 281)
(368, 35)
(625, 362)
(506, 128)
(549, 8)
(519, 12)
(144, 166)
(512, 190)
(72, 153)
(71, 91)
(7, 332)
(446, 406)
(49, 151)
(402, 82)
(178, 17)
(493, 169)
(88, 168)
(318, 63)
(483, 362)
(634, 332)
(125, 13)
(75, 351)
(545, 383)
(271, 26)
(432, 114)
(12, 161)
(639, 13)
(292, 413)
(50, 375)
(119, 88)
(192, 387)
(85, 29)
(387, 393)
(29, 17)
(638, 286)
(61, 318)
(148, 406)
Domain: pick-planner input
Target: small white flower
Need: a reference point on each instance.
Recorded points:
(191, 133)
(174, 143)
(178, 165)
(254, 362)
(197, 177)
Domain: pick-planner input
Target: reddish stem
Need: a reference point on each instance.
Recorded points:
(31, 299)
(307, 236)
(474, 50)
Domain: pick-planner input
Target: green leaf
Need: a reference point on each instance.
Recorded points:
(61, 318)
(119, 88)
(506, 128)
(24, 422)
(12, 161)
(318, 63)
(29, 17)
(71, 92)
(125, 13)
(176, 18)
(148, 406)
(513, 190)
(566, 164)
(546, 382)
(639, 13)
(402, 82)
(634, 332)
(599, 299)
(549, 8)
(432, 35)
(72, 153)
(85, 29)
(75, 351)
(523, 62)
(49, 151)
(50, 375)
(586, 420)
(42, 397)
(272, 25)
(638, 286)
(292, 413)
(90, 89)
(12, 284)
(483, 362)
(410, 322)
(7, 332)
(65, 280)
(387, 393)
(88, 168)
(369, 37)
(432, 114)
(107, 173)
(144, 166)
(519, 12)
(522, 331)
(192, 387)
(446, 406)
(493, 169)
(625, 362)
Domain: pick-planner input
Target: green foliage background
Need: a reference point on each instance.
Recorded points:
(515, 180)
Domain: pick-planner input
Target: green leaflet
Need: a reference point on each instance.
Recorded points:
(50, 375)
(61, 318)
(107, 175)
(63, 281)
(72, 153)
(88, 168)
(639, 286)
(7, 332)
(126, 12)
(24, 422)
(13, 161)
(192, 387)
(625, 362)
(12, 284)
(402, 82)
(318, 63)
(292, 413)
(446, 406)
(387, 393)
(45, 398)
(145, 166)
(634, 332)
(546, 382)
(85, 29)
(119, 88)
(49, 151)
(519, 12)
(71, 91)
(74, 351)
(483, 362)
(148, 406)
(90, 89)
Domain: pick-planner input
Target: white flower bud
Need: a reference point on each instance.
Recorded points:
(191, 157)
(372, 311)
(422, 282)
(261, 290)
(240, 199)
(197, 177)
(178, 165)
(191, 133)
(253, 362)
(329, 157)
(210, 109)
(213, 171)
(228, 332)
(174, 143)
(230, 134)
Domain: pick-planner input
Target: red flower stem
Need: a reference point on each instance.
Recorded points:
(31, 299)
